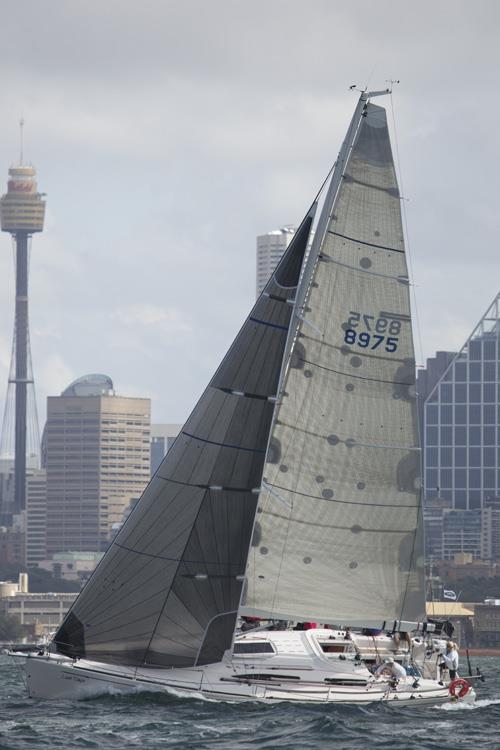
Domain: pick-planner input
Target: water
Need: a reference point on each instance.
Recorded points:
(148, 721)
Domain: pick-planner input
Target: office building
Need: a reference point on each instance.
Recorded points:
(97, 454)
(40, 614)
(36, 516)
(270, 248)
(487, 623)
(13, 542)
(459, 401)
(162, 439)
(25, 536)
(72, 566)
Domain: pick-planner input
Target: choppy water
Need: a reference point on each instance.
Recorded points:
(150, 721)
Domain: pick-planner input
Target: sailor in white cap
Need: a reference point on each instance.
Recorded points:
(392, 669)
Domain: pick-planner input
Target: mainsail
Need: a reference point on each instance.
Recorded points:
(337, 536)
(167, 590)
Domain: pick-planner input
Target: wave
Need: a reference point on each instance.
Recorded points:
(459, 706)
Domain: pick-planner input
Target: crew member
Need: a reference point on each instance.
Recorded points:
(400, 635)
(449, 661)
(391, 668)
(249, 623)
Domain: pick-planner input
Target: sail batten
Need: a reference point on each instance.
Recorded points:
(364, 242)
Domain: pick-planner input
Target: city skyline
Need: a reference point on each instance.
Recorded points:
(153, 210)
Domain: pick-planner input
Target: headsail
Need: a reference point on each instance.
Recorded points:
(337, 534)
(167, 591)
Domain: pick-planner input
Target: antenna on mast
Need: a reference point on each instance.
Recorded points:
(21, 139)
(392, 81)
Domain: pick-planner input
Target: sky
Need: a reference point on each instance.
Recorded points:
(168, 134)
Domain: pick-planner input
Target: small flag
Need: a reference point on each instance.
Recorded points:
(449, 594)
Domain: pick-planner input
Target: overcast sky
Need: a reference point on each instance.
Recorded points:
(167, 135)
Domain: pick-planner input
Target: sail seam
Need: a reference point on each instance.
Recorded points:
(351, 375)
(329, 259)
(343, 502)
(356, 443)
(365, 242)
(341, 528)
(174, 559)
(350, 442)
(267, 323)
(392, 191)
(223, 445)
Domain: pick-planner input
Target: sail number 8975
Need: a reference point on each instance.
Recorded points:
(378, 331)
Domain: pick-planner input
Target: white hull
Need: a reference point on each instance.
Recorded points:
(53, 678)
(289, 676)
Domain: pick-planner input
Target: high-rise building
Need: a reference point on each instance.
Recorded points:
(162, 439)
(270, 248)
(28, 528)
(97, 453)
(22, 211)
(459, 400)
(36, 516)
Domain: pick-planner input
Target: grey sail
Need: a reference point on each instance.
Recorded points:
(338, 527)
(167, 590)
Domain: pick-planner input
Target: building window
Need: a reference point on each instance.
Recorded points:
(432, 414)
(475, 414)
(446, 435)
(475, 393)
(475, 371)
(475, 349)
(431, 435)
(446, 459)
(446, 393)
(460, 372)
(446, 414)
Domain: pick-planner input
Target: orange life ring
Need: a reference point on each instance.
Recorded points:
(459, 687)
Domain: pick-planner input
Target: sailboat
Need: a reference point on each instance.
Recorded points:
(291, 496)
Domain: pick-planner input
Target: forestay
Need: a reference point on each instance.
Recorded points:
(167, 591)
(338, 537)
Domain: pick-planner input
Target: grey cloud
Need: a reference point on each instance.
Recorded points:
(168, 134)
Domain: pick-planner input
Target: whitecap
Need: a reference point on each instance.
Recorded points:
(459, 706)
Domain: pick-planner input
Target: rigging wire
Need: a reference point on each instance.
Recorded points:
(406, 232)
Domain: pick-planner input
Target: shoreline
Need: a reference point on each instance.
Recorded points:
(480, 651)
